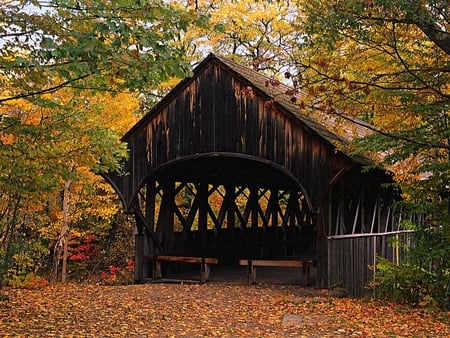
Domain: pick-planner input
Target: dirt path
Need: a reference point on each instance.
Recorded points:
(206, 310)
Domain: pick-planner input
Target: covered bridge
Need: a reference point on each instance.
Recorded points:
(228, 166)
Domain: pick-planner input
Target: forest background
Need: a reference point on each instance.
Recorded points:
(74, 76)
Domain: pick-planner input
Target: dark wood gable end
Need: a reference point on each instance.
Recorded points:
(227, 166)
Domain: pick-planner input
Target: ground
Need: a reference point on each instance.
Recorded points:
(217, 309)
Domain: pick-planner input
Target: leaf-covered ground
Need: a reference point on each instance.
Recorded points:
(206, 310)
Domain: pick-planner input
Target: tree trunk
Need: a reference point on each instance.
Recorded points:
(61, 247)
(65, 230)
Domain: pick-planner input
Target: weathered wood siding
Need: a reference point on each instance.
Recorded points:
(351, 260)
(216, 112)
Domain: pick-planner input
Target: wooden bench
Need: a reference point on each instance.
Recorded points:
(203, 261)
(284, 263)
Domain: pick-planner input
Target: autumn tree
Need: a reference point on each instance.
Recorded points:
(256, 33)
(387, 62)
(93, 210)
(42, 151)
(54, 57)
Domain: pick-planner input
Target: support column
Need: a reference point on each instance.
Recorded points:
(230, 205)
(253, 201)
(203, 213)
(164, 225)
(150, 205)
(292, 208)
(273, 206)
(322, 252)
(139, 258)
(149, 244)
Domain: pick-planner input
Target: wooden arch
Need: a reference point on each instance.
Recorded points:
(222, 167)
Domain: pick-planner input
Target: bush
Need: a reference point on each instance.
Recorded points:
(27, 258)
(30, 281)
(401, 283)
(423, 279)
(118, 275)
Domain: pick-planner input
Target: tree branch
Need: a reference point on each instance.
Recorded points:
(393, 136)
(44, 91)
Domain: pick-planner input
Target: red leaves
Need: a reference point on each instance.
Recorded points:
(118, 275)
(86, 250)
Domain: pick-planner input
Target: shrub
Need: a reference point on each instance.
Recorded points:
(30, 281)
(118, 275)
(401, 283)
(423, 278)
(27, 258)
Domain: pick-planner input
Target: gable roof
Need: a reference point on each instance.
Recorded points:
(321, 124)
(282, 94)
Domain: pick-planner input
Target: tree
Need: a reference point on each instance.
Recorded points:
(55, 57)
(90, 206)
(388, 62)
(381, 61)
(100, 45)
(42, 150)
(257, 33)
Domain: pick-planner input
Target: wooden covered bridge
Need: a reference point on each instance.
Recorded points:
(228, 167)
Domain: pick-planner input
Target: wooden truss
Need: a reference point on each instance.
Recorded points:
(222, 220)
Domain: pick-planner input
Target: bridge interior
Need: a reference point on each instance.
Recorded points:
(226, 207)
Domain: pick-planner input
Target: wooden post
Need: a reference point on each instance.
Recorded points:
(202, 194)
(204, 271)
(322, 252)
(273, 206)
(253, 201)
(306, 272)
(230, 200)
(149, 246)
(156, 268)
(164, 226)
(251, 273)
(150, 205)
(139, 259)
(292, 207)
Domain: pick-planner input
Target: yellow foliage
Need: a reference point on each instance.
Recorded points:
(117, 112)
(91, 197)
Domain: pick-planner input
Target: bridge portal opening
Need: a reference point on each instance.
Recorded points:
(225, 207)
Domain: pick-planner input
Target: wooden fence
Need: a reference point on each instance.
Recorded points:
(353, 258)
